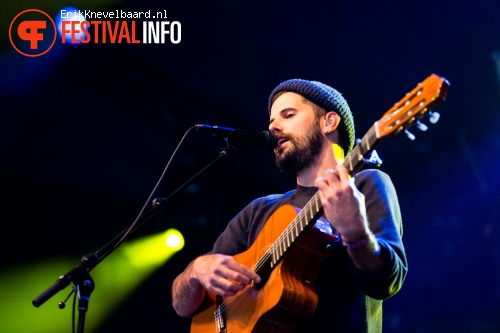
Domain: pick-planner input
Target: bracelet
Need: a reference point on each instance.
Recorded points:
(356, 245)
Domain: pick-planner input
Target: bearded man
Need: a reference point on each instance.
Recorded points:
(363, 264)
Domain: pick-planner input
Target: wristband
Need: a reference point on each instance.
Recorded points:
(356, 245)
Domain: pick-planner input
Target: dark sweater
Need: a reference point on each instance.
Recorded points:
(349, 300)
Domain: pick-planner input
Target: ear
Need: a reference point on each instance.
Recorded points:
(331, 122)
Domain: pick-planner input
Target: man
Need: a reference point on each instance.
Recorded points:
(314, 126)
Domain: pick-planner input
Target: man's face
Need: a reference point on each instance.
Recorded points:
(299, 133)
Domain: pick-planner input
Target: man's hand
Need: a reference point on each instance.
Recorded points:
(221, 274)
(343, 203)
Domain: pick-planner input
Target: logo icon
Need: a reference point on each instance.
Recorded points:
(32, 32)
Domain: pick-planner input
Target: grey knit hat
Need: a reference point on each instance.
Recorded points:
(326, 98)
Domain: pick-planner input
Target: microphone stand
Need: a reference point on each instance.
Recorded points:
(80, 277)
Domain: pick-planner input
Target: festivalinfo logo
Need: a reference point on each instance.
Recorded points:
(33, 32)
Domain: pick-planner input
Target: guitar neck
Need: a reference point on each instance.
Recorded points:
(311, 211)
(416, 104)
(362, 150)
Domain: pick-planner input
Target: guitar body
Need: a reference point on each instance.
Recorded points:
(286, 299)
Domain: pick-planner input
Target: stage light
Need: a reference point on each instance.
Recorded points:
(115, 279)
(70, 31)
(153, 250)
(174, 239)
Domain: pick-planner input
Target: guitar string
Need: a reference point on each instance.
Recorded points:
(234, 304)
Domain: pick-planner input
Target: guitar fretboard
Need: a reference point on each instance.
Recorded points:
(356, 158)
(309, 213)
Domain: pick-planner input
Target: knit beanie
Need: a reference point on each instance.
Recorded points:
(326, 98)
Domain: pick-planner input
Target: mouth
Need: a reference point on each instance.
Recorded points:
(282, 140)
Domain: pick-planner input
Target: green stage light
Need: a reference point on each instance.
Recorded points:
(153, 250)
(115, 278)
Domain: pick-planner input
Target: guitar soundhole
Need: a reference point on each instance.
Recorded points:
(264, 271)
(263, 280)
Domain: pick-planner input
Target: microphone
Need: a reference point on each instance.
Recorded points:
(262, 139)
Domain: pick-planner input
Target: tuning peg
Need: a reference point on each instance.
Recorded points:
(421, 126)
(410, 135)
(434, 117)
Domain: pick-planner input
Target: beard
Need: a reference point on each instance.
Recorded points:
(303, 151)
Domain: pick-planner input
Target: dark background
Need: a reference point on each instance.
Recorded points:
(86, 131)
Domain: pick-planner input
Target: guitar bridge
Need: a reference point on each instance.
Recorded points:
(220, 323)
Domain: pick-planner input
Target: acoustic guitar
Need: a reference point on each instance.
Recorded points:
(293, 243)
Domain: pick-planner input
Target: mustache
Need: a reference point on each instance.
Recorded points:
(281, 135)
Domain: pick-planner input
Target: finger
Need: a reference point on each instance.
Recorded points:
(330, 173)
(342, 172)
(229, 268)
(333, 177)
(241, 273)
(321, 182)
(225, 287)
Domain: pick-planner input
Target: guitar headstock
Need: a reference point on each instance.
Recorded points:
(416, 104)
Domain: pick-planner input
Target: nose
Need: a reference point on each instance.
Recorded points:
(275, 126)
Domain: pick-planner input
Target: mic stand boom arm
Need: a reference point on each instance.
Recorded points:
(80, 277)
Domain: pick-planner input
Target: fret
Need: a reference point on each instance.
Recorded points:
(357, 155)
(316, 201)
(376, 130)
(374, 135)
(367, 141)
